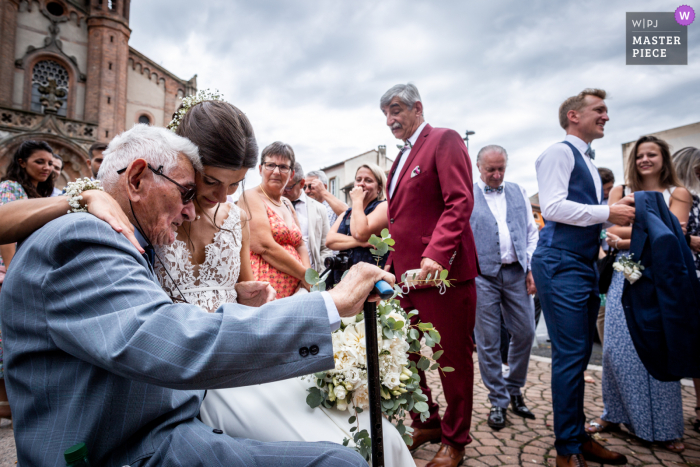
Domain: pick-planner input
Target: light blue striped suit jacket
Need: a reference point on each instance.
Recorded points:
(95, 351)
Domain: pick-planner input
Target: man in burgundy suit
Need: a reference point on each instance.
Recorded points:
(430, 202)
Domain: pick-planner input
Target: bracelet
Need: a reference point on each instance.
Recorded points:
(74, 192)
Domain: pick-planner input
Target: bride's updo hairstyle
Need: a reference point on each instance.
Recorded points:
(222, 133)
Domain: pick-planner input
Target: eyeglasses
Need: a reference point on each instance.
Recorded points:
(187, 194)
(271, 166)
(291, 187)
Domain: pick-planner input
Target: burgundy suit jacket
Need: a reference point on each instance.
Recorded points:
(431, 206)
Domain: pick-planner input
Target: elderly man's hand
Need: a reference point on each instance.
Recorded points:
(104, 207)
(317, 186)
(350, 293)
(429, 266)
(254, 293)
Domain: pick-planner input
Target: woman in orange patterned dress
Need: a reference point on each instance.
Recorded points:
(278, 254)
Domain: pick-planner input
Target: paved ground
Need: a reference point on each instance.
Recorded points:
(523, 442)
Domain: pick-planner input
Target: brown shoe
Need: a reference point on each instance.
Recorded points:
(421, 436)
(447, 456)
(595, 452)
(573, 460)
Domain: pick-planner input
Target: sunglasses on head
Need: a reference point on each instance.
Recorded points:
(187, 194)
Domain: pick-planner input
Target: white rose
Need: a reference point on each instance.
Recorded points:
(353, 376)
(355, 341)
(618, 267)
(391, 380)
(340, 391)
(628, 270)
(348, 321)
(344, 359)
(360, 397)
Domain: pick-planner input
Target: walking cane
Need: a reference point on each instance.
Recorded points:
(384, 290)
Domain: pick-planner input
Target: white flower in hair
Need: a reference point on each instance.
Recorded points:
(190, 101)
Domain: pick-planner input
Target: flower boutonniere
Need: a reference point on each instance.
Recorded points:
(415, 171)
(632, 270)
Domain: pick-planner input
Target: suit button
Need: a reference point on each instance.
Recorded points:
(217, 431)
(313, 349)
(304, 351)
(392, 221)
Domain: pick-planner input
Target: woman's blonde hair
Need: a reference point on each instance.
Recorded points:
(687, 161)
(379, 175)
(667, 177)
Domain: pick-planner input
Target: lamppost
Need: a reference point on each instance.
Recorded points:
(468, 133)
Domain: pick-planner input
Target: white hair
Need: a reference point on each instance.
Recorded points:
(320, 174)
(407, 93)
(492, 148)
(157, 146)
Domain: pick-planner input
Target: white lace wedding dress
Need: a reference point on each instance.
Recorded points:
(267, 412)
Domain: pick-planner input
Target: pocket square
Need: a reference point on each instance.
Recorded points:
(415, 171)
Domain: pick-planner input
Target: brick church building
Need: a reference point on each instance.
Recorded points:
(69, 77)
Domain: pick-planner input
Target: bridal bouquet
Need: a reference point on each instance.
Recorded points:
(345, 387)
(632, 270)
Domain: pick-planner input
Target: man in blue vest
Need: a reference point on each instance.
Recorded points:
(564, 266)
(506, 236)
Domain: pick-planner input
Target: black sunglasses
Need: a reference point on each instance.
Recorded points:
(187, 195)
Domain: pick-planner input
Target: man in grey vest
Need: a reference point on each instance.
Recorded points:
(506, 236)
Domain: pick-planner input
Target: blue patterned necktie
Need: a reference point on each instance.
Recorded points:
(150, 255)
(590, 152)
(488, 189)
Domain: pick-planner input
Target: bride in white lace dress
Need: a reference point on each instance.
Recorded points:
(209, 264)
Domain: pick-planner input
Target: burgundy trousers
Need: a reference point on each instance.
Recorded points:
(452, 314)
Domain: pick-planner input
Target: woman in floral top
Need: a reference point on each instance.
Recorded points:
(28, 176)
(687, 162)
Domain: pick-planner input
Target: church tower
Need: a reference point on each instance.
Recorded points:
(108, 57)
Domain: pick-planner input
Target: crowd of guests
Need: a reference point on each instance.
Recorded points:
(215, 252)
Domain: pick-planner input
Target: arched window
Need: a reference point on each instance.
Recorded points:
(145, 119)
(45, 72)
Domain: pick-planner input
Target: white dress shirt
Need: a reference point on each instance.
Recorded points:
(554, 168)
(404, 156)
(498, 206)
(301, 207)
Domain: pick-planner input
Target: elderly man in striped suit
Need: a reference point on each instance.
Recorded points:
(96, 352)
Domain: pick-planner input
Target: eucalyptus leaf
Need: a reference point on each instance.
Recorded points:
(352, 419)
(311, 276)
(423, 363)
(443, 274)
(429, 341)
(437, 354)
(434, 335)
(385, 233)
(374, 240)
(448, 369)
(408, 439)
(421, 406)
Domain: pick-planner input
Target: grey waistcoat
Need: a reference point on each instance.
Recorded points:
(485, 229)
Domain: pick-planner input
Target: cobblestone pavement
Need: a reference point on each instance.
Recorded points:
(531, 442)
(522, 442)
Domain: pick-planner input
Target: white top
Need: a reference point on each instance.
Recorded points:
(302, 209)
(498, 206)
(404, 156)
(554, 168)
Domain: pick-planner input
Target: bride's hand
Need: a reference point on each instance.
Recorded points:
(104, 207)
(255, 293)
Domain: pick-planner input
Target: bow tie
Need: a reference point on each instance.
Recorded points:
(488, 189)
(590, 152)
(403, 147)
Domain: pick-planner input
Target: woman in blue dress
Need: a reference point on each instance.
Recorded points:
(650, 409)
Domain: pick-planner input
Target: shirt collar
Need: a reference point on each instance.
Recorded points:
(416, 134)
(302, 197)
(142, 241)
(578, 143)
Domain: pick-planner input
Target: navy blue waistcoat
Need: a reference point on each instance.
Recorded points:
(582, 241)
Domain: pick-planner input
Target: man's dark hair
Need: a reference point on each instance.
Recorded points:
(606, 175)
(16, 173)
(96, 147)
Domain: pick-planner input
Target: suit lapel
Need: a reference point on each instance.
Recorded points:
(412, 155)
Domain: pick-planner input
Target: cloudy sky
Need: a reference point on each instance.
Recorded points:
(310, 73)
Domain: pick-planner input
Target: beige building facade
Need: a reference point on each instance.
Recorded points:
(341, 176)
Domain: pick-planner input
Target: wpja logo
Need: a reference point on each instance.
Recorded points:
(658, 38)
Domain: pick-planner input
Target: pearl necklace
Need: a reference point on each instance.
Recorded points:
(266, 196)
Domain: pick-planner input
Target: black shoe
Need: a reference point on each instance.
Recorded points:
(497, 418)
(519, 408)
